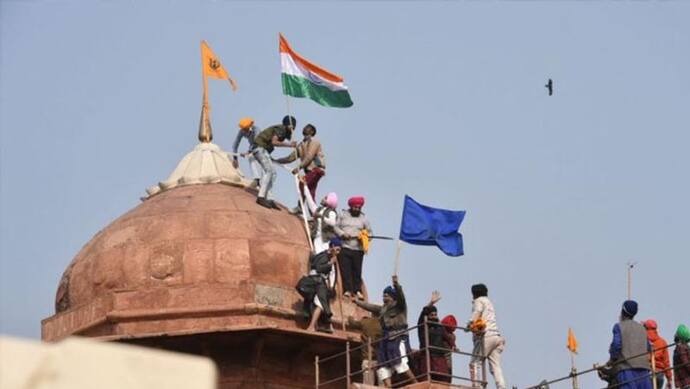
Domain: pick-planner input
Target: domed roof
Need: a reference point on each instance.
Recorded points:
(206, 163)
(191, 251)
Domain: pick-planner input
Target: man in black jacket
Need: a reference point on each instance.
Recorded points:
(436, 332)
(315, 289)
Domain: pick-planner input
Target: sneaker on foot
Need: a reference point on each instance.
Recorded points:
(360, 296)
(263, 202)
(273, 204)
(347, 294)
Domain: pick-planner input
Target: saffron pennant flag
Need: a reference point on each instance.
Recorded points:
(427, 226)
(302, 78)
(572, 342)
(212, 67)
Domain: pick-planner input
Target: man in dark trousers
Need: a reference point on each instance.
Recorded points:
(316, 290)
(630, 340)
(351, 223)
(393, 349)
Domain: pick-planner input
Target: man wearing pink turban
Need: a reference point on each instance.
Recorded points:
(350, 224)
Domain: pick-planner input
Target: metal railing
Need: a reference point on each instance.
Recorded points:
(596, 367)
(428, 375)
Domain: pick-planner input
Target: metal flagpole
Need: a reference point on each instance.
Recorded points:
(297, 182)
(573, 370)
(339, 291)
(396, 262)
(631, 265)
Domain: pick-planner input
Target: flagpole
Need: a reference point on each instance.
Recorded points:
(299, 191)
(205, 134)
(304, 212)
(300, 197)
(396, 262)
(573, 370)
(339, 291)
(630, 267)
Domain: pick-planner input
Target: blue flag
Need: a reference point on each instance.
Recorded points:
(427, 226)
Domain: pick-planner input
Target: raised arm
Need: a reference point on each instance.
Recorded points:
(310, 203)
(400, 300)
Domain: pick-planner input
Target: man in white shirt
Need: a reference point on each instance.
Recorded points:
(488, 342)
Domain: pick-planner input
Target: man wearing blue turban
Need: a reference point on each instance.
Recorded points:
(628, 351)
(393, 349)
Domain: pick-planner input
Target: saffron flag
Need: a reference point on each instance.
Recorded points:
(427, 226)
(302, 78)
(212, 67)
(572, 342)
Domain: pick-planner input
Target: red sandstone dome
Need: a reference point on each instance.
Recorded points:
(200, 268)
(195, 256)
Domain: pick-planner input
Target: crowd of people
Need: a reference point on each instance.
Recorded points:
(340, 241)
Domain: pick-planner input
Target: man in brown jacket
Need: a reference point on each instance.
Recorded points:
(312, 160)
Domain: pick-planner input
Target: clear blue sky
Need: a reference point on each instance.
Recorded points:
(99, 100)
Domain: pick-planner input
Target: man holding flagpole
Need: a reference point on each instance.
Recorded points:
(394, 347)
(312, 162)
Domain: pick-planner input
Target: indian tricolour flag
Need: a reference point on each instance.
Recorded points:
(302, 78)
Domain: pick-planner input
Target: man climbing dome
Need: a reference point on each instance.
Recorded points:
(247, 131)
(630, 340)
(394, 348)
(351, 225)
(317, 288)
(323, 221)
(662, 362)
(312, 161)
(436, 333)
(681, 357)
(265, 142)
(488, 342)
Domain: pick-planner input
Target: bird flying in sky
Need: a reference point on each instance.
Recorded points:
(549, 86)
